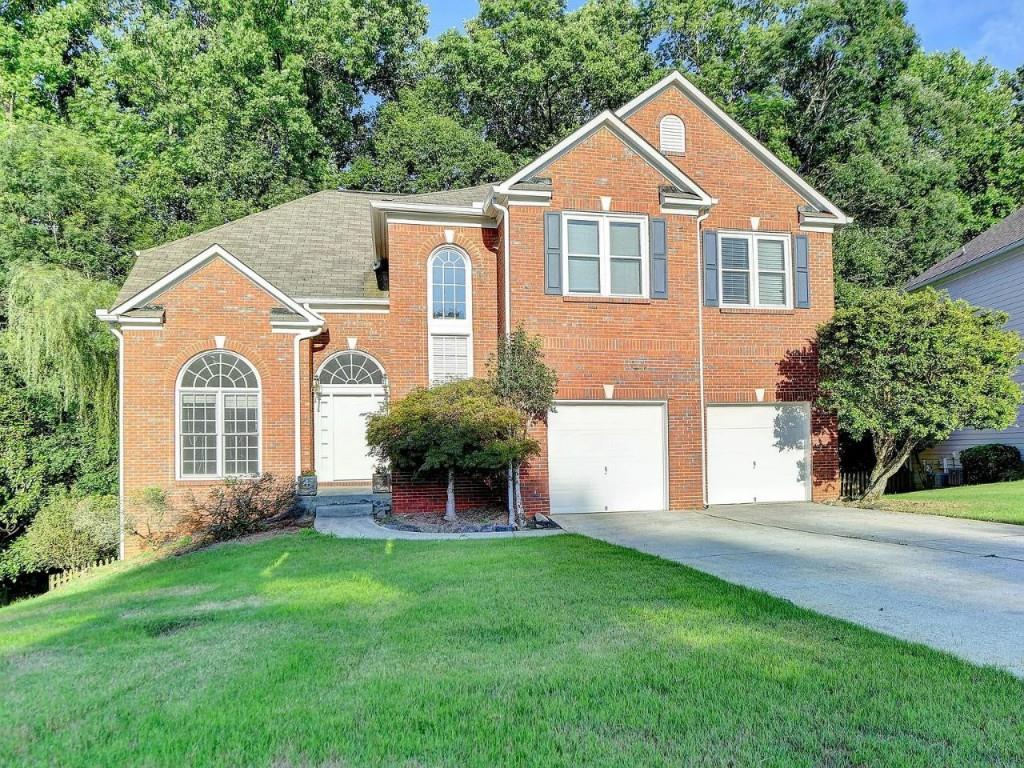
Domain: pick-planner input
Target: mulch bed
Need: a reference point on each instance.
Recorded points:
(469, 521)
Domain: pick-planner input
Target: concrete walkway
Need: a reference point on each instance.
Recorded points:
(956, 585)
(363, 527)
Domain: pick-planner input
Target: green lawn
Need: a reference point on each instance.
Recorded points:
(996, 502)
(303, 650)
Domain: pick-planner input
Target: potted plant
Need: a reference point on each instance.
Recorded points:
(306, 484)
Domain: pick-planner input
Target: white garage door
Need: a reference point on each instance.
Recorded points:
(606, 457)
(758, 453)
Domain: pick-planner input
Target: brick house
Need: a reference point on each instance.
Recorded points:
(674, 268)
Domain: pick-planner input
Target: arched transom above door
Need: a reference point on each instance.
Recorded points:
(351, 368)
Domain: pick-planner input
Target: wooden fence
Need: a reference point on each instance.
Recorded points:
(57, 580)
(853, 484)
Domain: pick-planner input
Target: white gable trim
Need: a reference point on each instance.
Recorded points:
(634, 140)
(755, 147)
(214, 251)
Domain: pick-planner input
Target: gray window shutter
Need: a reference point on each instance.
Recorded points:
(659, 260)
(801, 276)
(553, 253)
(710, 249)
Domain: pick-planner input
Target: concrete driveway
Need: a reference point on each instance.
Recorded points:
(956, 585)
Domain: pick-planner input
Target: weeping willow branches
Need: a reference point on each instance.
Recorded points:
(58, 345)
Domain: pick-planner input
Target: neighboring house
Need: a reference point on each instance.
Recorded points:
(987, 272)
(675, 269)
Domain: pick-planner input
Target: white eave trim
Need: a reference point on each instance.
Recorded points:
(637, 142)
(1015, 248)
(810, 222)
(214, 251)
(350, 306)
(762, 153)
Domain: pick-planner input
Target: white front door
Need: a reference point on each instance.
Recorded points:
(759, 453)
(605, 457)
(341, 436)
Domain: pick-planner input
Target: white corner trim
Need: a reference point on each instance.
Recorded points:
(625, 133)
(197, 261)
(762, 153)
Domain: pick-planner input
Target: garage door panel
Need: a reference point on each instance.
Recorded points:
(606, 457)
(758, 453)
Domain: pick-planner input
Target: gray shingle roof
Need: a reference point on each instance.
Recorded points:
(320, 245)
(996, 238)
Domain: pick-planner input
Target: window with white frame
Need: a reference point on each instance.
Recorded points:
(673, 135)
(605, 255)
(754, 270)
(449, 316)
(218, 417)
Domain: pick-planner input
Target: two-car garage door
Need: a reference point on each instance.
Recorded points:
(610, 457)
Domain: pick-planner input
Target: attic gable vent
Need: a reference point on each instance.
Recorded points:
(673, 135)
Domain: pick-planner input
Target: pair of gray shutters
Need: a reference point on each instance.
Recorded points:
(553, 256)
(801, 276)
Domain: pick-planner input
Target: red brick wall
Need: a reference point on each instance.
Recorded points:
(216, 300)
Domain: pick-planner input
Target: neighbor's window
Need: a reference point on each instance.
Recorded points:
(218, 417)
(605, 255)
(754, 270)
(449, 322)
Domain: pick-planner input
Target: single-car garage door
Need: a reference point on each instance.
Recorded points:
(605, 457)
(759, 453)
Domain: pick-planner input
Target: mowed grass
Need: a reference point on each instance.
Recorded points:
(995, 502)
(304, 650)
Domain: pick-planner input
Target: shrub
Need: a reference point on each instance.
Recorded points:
(146, 517)
(72, 532)
(241, 507)
(991, 463)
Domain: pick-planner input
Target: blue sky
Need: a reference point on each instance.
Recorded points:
(990, 28)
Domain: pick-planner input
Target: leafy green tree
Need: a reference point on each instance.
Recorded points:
(59, 346)
(65, 201)
(532, 72)
(417, 148)
(909, 369)
(522, 380)
(459, 427)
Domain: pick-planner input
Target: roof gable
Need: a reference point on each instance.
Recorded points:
(748, 142)
(625, 134)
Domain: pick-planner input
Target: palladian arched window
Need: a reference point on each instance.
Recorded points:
(218, 417)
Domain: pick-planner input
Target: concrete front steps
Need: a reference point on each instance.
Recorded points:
(346, 502)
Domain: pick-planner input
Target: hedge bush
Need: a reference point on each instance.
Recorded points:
(991, 463)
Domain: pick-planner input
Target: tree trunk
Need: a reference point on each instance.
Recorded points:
(449, 507)
(511, 496)
(520, 514)
(889, 457)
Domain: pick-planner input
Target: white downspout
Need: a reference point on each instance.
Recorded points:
(508, 269)
(120, 439)
(700, 362)
(299, 338)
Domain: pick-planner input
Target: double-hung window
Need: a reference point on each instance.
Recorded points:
(605, 255)
(449, 316)
(754, 270)
(218, 417)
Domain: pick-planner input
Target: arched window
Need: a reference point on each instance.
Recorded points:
(449, 321)
(673, 134)
(353, 368)
(218, 417)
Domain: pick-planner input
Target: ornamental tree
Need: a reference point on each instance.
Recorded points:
(523, 381)
(459, 427)
(910, 368)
